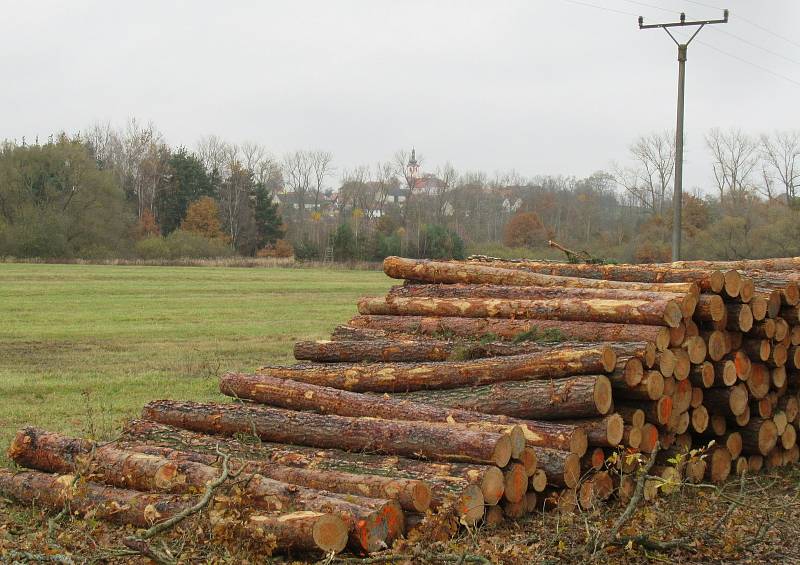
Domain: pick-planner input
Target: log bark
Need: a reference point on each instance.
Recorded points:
(371, 522)
(658, 312)
(295, 395)
(415, 439)
(778, 264)
(572, 397)
(651, 387)
(513, 329)
(688, 301)
(449, 482)
(452, 272)
(406, 377)
(415, 349)
(708, 279)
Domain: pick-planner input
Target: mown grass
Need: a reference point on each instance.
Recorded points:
(83, 347)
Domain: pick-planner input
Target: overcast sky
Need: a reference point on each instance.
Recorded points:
(540, 86)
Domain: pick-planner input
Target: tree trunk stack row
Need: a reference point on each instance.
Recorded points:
(477, 390)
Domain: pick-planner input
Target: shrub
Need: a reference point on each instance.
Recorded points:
(180, 244)
(281, 248)
(525, 229)
(438, 242)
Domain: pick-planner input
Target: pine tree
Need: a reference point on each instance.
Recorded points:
(269, 224)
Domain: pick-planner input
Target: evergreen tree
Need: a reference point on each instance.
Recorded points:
(269, 224)
(186, 183)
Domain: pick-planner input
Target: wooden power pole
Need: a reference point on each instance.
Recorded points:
(677, 197)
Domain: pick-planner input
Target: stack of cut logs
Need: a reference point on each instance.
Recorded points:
(476, 391)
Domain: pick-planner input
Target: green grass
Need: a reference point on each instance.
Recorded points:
(83, 347)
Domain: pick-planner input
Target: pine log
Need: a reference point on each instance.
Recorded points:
(405, 377)
(371, 522)
(449, 481)
(301, 531)
(452, 272)
(759, 436)
(658, 312)
(511, 329)
(650, 387)
(759, 307)
(758, 381)
(727, 400)
(740, 317)
(718, 464)
(707, 279)
(716, 342)
(414, 439)
(411, 349)
(704, 374)
(562, 468)
(295, 395)
(782, 330)
(688, 301)
(602, 432)
(764, 329)
(696, 349)
(710, 308)
(656, 412)
(584, 396)
(777, 264)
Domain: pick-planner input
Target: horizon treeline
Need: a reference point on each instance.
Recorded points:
(126, 193)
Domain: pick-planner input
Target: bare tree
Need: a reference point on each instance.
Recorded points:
(321, 167)
(648, 181)
(446, 177)
(781, 155)
(735, 155)
(297, 173)
(214, 153)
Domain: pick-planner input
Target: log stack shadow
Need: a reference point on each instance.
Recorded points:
(476, 391)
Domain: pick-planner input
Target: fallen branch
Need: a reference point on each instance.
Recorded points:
(139, 543)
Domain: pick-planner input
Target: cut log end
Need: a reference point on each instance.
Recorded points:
(615, 429)
(529, 460)
(579, 442)
(767, 437)
(330, 533)
(719, 467)
(700, 419)
(572, 471)
(634, 371)
(516, 483)
(609, 359)
(469, 505)
(602, 394)
(502, 451)
(673, 315)
(538, 481)
(492, 486)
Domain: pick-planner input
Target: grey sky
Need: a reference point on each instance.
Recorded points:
(540, 86)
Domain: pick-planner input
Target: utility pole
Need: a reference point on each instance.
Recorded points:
(677, 197)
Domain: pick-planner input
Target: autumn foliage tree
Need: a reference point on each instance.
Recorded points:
(525, 229)
(202, 218)
(147, 226)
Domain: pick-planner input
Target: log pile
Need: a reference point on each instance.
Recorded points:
(477, 390)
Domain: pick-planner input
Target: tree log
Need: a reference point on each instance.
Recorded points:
(415, 439)
(688, 301)
(512, 329)
(572, 397)
(759, 436)
(448, 481)
(602, 432)
(562, 467)
(371, 522)
(708, 279)
(295, 395)
(659, 312)
(405, 377)
(452, 272)
(727, 400)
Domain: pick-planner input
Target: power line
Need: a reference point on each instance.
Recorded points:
(748, 21)
(579, 3)
(653, 6)
(756, 45)
(765, 69)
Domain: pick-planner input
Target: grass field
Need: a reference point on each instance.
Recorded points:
(83, 347)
